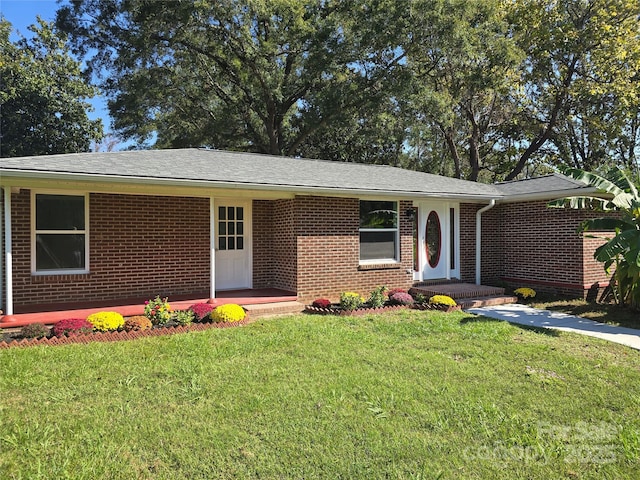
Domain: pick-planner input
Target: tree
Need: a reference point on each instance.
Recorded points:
(42, 94)
(617, 192)
(527, 84)
(251, 75)
(580, 54)
(465, 69)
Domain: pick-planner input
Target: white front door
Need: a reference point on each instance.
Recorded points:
(233, 244)
(438, 246)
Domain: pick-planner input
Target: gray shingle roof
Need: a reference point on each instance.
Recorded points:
(546, 184)
(218, 168)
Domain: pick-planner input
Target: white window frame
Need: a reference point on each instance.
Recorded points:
(35, 232)
(376, 261)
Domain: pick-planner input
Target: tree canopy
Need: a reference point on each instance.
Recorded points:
(485, 90)
(254, 75)
(43, 96)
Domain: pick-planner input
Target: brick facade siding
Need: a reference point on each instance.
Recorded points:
(313, 248)
(142, 246)
(139, 246)
(529, 244)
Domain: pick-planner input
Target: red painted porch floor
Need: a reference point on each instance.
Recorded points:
(259, 302)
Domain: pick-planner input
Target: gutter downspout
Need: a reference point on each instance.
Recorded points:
(479, 213)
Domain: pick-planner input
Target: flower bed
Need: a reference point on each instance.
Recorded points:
(352, 303)
(111, 326)
(117, 336)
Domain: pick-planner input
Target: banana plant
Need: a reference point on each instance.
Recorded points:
(614, 191)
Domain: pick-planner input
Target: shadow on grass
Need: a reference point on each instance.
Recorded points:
(482, 319)
(601, 312)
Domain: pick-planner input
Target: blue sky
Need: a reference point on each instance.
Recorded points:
(21, 14)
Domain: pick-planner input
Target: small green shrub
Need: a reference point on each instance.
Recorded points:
(137, 323)
(420, 298)
(183, 317)
(442, 300)
(350, 300)
(377, 297)
(228, 313)
(158, 310)
(34, 330)
(106, 321)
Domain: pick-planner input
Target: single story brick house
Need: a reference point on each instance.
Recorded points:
(95, 227)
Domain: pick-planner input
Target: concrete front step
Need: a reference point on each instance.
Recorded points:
(467, 303)
(276, 308)
(459, 291)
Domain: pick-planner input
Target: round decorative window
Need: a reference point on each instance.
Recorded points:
(433, 239)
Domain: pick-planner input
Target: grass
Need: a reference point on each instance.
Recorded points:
(416, 395)
(602, 312)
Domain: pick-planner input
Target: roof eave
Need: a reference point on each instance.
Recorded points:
(15, 174)
(531, 197)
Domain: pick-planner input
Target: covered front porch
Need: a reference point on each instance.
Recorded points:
(258, 302)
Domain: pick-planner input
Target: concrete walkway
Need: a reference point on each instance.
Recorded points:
(533, 317)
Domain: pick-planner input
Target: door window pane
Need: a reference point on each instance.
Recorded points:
(433, 239)
(230, 228)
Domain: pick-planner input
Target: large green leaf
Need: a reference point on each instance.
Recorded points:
(582, 203)
(606, 224)
(618, 245)
(593, 179)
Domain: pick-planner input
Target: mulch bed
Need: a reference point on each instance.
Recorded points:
(336, 310)
(118, 336)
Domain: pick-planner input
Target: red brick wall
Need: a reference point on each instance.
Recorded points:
(140, 246)
(262, 243)
(310, 245)
(594, 274)
(327, 231)
(529, 244)
(283, 251)
(468, 242)
(274, 245)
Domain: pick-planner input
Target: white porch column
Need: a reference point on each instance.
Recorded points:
(212, 246)
(8, 255)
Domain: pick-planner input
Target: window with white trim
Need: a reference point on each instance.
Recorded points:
(379, 233)
(59, 233)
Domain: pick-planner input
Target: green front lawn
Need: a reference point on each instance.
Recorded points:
(419, 395)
